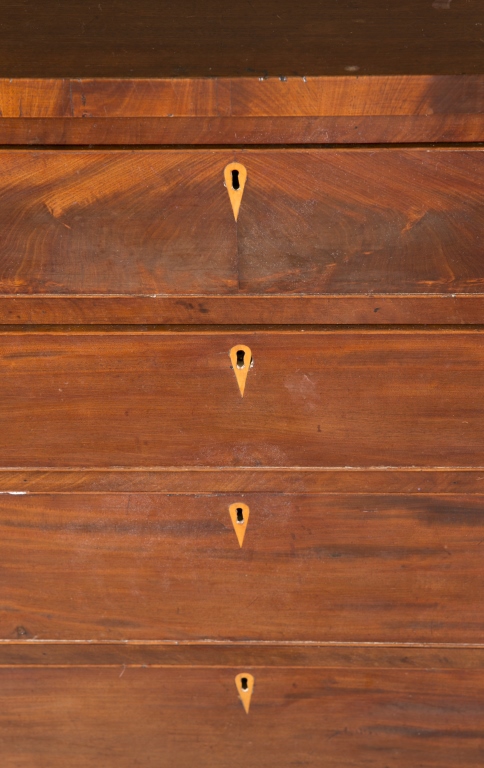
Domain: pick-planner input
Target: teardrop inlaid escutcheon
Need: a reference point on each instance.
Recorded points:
(239, 514)
(245, 688)
(235, 175)
(241, 359)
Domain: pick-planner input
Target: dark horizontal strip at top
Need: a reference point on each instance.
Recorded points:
(183, 38)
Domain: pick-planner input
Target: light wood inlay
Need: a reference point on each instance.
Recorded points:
(245, 688)
(239, 514)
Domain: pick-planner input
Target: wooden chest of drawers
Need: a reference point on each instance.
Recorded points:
(241, 384)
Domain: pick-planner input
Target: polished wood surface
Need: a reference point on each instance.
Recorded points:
(362, 225)
(185, 717)
(380, 96)
(339, 398)
(242, 310)
(116, 222)
(367, 480)
(136, 616)
(25, 652)
(315, 130)
(340, 568)
(306, 73)
(361, 221)
(246, 110)
(181, 38)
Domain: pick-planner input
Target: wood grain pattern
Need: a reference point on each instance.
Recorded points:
(314, 399)
(348, 223)
(116, 39)
(245, 310)
(392, 129)
(243, 97)
(26, 98)
(361, 221)
(128, 607)
(314, 110)
(241, 78)
(59, 717)
(256, 97)
(110, 222)
(241, 480)
(313, 568)
(127, 654)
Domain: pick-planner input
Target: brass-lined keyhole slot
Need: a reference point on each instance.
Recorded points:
(240, 515)
(244, 683)
(235, 180)
(240, 358)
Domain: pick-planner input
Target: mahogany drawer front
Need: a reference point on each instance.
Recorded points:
(133, 234)
(354, 398)
(339, 568)
(186, 717)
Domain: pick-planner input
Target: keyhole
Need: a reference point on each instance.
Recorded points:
(235, 180)
(244, 684)
(240, 358)
(240, 515)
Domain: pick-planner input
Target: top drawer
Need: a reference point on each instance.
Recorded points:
(322, 236)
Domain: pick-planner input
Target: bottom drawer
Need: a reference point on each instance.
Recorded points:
(193, 717)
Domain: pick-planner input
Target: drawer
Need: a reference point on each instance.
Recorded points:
(334, 567)
(185, 717)
(354, 398)
(150, 236)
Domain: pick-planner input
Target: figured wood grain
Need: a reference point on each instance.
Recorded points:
(315, 399)
(361, 221)
(339, 568)
(116, 39)
(146, 225)
(115, 222)
(243, 97)
(59, 717)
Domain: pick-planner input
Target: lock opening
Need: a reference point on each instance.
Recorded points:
(235, 180)
(240, 358)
